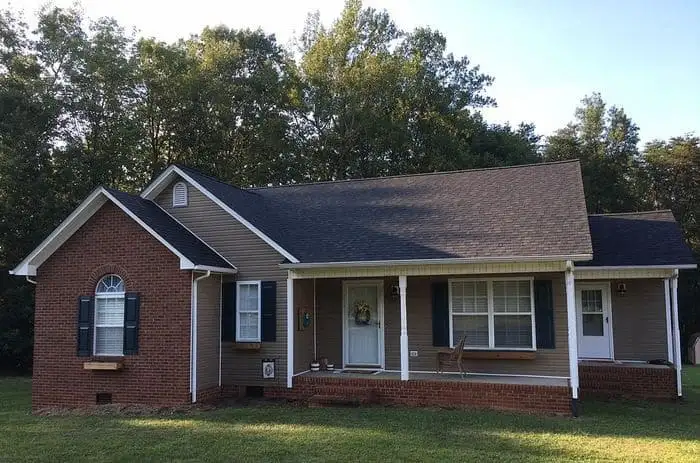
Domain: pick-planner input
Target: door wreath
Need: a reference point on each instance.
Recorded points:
(363, 313)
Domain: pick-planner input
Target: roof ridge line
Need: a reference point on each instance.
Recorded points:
(609, 214)
(423, 174)
(215, 179)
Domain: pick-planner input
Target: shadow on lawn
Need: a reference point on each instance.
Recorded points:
(273, 431)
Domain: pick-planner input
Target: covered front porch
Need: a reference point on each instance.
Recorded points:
(531, 314)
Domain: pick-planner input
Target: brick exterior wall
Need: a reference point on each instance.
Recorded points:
(624, 381)
(550, 400)
(111, 242)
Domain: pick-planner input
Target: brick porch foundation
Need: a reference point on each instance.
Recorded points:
(550, 400)
(628, 381)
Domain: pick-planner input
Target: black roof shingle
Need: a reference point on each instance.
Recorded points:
(170, 230)
(637, 239)
(533, 210)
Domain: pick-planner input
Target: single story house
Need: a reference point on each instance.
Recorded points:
(197, 289)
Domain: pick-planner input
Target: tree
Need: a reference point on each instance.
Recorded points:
(605, 140)
(381, 101)
(221, 101)
(670, 179)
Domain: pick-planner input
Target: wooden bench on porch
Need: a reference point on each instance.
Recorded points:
(458, 355)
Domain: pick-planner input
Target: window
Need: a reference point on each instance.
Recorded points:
(180, 194)
(493, 314)
(109, 316)
(248, 311)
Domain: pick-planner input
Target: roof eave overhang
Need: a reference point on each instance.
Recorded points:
(94, 201)
(451, 261)
(209, 268)
(637, 267)
(169, 174)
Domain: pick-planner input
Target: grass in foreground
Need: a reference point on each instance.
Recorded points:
(638, 431)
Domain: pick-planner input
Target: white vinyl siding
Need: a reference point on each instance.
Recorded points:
(493, 314)
(109, 316)
(248, 313)
(180, 194)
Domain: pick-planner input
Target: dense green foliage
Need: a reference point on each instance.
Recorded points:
(83, 103)
(606, 431)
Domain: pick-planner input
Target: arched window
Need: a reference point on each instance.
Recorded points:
(180, 194)
(109, 316)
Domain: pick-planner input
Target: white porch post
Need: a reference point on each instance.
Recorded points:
(669, 326)
(676, 333)
(572, 330)
(404, 329)
(290, 331)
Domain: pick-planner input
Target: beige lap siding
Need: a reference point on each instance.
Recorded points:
(548, 362)
(208, 339)
(639, 320)
(111, 242)
(255, 260)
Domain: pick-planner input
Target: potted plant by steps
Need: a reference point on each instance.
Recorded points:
(315, 365)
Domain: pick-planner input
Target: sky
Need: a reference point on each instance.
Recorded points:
(546, 55)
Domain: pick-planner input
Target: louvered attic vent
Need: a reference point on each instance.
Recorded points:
(180, 195)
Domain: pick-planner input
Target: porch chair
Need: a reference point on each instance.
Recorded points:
(453, 355)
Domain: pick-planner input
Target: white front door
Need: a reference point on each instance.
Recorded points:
(363, 323)
(594, 323)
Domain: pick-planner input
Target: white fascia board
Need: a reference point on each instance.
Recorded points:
(76, 219)
(481, 260)
(65, 230)
(637, 267)
(208, 268)
(166, 177)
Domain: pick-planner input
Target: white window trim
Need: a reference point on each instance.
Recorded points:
(491, 314)
(238, 310)
(122, 296)
(187, 194)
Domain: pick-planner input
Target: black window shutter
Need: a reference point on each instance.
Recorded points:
(132, 307)
(544, 314)
(228, 311)
(441, 314)
(268, 331)
(86, 311)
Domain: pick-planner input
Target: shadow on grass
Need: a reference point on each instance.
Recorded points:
(636, 430)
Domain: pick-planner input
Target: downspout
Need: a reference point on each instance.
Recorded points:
(193, 336)
(314, 323)
(30, 280)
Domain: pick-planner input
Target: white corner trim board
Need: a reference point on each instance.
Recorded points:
(166, 177)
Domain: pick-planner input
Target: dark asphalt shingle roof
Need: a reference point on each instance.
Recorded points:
(523, 211)
(640, 238)
(170, 230)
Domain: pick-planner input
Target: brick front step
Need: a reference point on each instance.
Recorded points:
(325, 400)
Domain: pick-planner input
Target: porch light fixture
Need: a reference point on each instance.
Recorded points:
(621, 289)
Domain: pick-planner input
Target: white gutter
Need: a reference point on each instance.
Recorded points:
(474, 260)
(636, 267)
(208, 268)
(193, 336)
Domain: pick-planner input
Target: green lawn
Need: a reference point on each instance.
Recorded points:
(607, 431)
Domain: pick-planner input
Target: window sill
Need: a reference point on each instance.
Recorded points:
(246, 345)
(109, 366)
